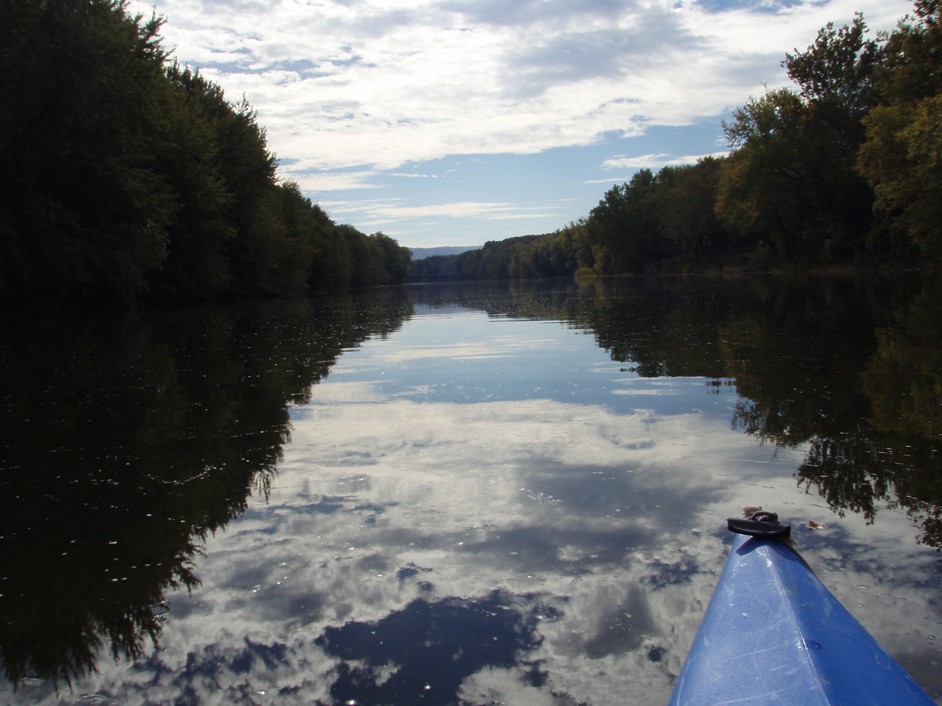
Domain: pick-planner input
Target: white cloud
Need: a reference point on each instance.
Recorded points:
(643, 160)
(389, 211)
(342, 85)
(410, 175)
(651, 161)
(331, 180)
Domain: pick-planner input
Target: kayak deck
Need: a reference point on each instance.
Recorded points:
(774, 634)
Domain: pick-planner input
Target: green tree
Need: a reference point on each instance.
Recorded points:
(86, 215)
(248, 171)
(686, 209)
(764, 184)
(792, 176)
(902, 157)
(397, 260)
(187, 157)
(366, 257)
(836, 78)
(836, 75)
(326, 257)
(136, 176)
(625, 228)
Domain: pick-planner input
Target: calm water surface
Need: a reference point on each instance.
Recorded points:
(472, 494)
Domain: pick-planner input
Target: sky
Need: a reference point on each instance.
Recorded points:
(456, 122)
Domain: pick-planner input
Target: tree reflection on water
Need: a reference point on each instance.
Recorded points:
(125, 443)
(863, 389)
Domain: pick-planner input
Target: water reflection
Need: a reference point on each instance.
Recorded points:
(125, 443)
(859, 387)
(453, 495)
(425, 651)
(849, 369)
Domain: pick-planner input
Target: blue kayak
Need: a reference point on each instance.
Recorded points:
(773, 634)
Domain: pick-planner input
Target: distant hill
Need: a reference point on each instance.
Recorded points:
(422, 253)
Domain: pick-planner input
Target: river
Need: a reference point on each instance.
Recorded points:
(455, 494)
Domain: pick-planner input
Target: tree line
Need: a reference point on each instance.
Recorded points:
(131, 178)
(842, 168)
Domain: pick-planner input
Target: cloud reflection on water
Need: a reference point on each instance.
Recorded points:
(584, 518)
(585, 508)
(578, 531)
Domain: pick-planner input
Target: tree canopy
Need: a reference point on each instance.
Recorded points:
(844, 168)
(133, 178)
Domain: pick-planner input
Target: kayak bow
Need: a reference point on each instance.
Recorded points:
(773, 634)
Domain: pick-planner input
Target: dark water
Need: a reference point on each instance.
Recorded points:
(455, 495)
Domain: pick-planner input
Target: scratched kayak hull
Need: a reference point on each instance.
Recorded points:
(773, 634)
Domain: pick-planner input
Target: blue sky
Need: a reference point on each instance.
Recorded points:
(455, 122)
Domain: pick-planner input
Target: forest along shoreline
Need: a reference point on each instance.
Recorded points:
(163, 191)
